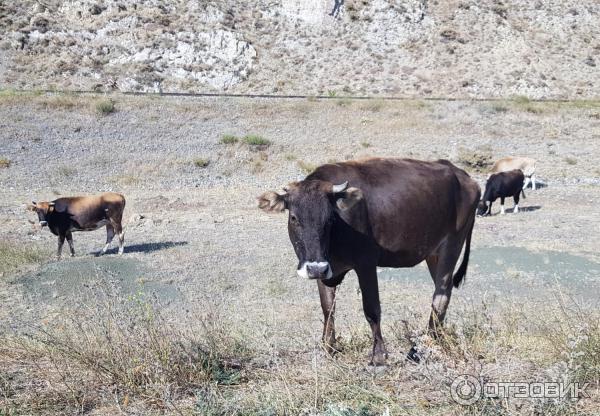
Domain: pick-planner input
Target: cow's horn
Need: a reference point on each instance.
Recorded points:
(339, 188)
(52, 204)
(33, 203)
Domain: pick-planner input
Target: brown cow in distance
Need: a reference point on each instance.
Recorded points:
(379, 212)
(83, 213)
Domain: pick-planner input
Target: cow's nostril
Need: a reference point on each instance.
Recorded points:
(323, 268)
(317, 270)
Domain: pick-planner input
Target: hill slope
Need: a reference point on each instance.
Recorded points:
(466, 48)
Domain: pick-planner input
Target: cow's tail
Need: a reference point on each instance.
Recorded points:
(462, 270)
(523, 193)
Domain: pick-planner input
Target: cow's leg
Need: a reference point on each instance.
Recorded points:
(61, 241)
(120, 234)
(489, 211)
(69, 236)
(327, 295)
(441, 267)
(502, 205)
(367, 279)
(110, 233)
(516, 199)
(533, 182)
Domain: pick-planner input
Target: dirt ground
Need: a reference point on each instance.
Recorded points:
(196, 240)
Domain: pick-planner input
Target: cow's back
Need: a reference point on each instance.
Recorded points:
(86, 211)
(525, 164)
(411, 204)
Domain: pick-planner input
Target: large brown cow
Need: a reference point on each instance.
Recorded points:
(359, 215)
(83, 213)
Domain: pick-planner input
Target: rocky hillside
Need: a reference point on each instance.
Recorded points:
(452, 48)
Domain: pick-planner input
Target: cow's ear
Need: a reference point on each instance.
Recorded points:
(347, 199)
(272, 202)
(30, 207)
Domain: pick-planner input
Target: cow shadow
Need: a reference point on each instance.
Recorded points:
(145, 247)
(539, 184)
(530, 208)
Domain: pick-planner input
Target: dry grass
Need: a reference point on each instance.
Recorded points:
(59, 102)
(4, 162)
(14, 257)
(66, 171)
(306, 167)
(126, 179)
(117, 352)
(124, 355)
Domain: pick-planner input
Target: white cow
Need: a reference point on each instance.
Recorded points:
(525, 164)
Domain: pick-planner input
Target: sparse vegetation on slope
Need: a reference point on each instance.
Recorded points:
(429, 48)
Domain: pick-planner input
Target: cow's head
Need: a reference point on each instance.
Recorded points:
(42, 209)
(483, 208)
(312, 207)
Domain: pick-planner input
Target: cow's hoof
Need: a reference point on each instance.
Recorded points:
(378, 360)
(332, 348)
(413, 355)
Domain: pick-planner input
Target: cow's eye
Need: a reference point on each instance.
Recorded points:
(293, 219)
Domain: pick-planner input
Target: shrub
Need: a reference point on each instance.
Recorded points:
(499, 108)
(105, 106)
(570, 160)
(229, 139)
(477, 160)
(66, 171)
(201, 162)
(4, 162)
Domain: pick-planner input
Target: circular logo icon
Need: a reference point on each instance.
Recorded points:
(465, 389)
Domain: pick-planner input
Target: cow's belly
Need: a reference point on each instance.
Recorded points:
(401, 259)
(89, 227)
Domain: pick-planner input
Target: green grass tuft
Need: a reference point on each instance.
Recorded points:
(229, 139)
(256, 140)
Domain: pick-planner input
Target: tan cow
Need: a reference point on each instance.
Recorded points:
(82, 213)
(525, 164)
